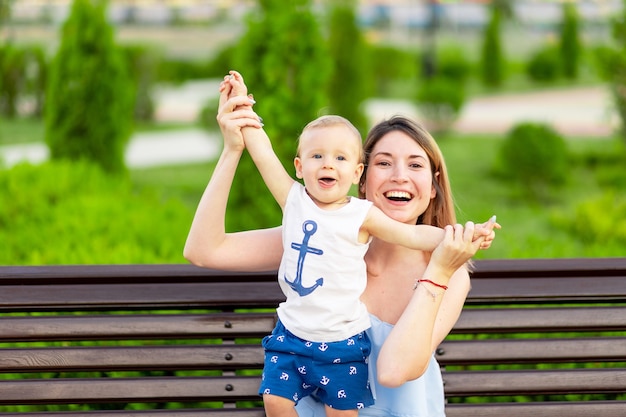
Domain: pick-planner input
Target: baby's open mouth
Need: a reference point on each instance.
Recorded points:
(398, 195)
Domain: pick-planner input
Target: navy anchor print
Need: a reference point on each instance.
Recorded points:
(309, 228)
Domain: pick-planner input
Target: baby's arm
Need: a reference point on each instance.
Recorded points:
(259, 146)
(420, 237)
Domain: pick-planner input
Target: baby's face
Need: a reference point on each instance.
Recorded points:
(329, 162)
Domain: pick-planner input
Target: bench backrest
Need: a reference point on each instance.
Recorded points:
(137, 336)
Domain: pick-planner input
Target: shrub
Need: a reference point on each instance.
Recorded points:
(390, 63)
(544, 64)
(535, 156)
(440, 99)
(73, 213)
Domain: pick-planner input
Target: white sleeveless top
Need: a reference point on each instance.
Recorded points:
(422, 397)
(322, 272)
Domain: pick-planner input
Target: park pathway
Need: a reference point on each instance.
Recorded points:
(581, 111)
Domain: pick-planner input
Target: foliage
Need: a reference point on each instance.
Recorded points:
(535, 156)
(599, 220)
(441, 94)
(286, 65)
(388, 63)
(73, 213)
(350, 83)
(544, 64)
(569, 42)
(142, 62)
(23, 72)
(12, 78)
(90, 95)
(612, 65)
(440, 99)
(492, 56)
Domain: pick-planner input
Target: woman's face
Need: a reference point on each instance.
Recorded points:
(399, 179)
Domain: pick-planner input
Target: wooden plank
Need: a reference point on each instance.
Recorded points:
(120, 358)
(122, 390)
(537, 319)
(133, 327)
(539, 409)
(554, 267)
(89, 297)
(541, 289)
(529, 382)
(555, 350)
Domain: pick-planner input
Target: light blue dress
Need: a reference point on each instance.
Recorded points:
(422, 397)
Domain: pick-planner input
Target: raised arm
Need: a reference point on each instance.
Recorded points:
(432, 311)
(208, 245)
(260, 148)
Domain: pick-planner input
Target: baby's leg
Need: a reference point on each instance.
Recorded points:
(276, 406)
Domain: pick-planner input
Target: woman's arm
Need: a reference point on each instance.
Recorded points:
(208, 245)
(430, 314)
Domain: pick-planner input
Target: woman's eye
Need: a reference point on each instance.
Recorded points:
(415, 166)
(383, 163)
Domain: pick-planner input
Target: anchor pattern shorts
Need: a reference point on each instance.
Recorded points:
(295, 368)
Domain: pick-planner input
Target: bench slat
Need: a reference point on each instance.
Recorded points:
(123, 390)
(172, 358)
(110, 327)
(562, 381)
(496, 351)
(91, 297)
(549, 409)
(535, 319)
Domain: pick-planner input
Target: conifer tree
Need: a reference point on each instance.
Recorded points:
(352, 78)
(89, 104)
(570, 42)
(285, 63)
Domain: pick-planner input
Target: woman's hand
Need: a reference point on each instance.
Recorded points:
(234, 114)
(456, 248)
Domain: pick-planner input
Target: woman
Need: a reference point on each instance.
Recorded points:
(406, 178)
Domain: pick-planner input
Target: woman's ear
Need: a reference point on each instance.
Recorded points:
(433, 188)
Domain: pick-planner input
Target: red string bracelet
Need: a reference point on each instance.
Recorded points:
(445, 287)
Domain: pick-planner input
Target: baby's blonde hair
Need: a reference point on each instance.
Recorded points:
(333, 120)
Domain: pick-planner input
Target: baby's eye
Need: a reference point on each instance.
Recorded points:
(316, 156)
(341, 158)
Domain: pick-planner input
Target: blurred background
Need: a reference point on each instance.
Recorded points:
(108, 133)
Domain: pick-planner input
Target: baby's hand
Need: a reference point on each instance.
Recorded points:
(233, 85)
(485, 231)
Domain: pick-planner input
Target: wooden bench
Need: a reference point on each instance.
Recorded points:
(542, 337)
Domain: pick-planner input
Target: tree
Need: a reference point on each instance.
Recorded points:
(89, 105)
(285, 63)
(612, 65)
(492, 57)
(570, 43)
(352, 78)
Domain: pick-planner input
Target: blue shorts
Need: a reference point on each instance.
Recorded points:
(294, 368)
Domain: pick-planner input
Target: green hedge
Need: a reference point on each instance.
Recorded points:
(73, 213)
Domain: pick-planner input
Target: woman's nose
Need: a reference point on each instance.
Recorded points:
(399, 174)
